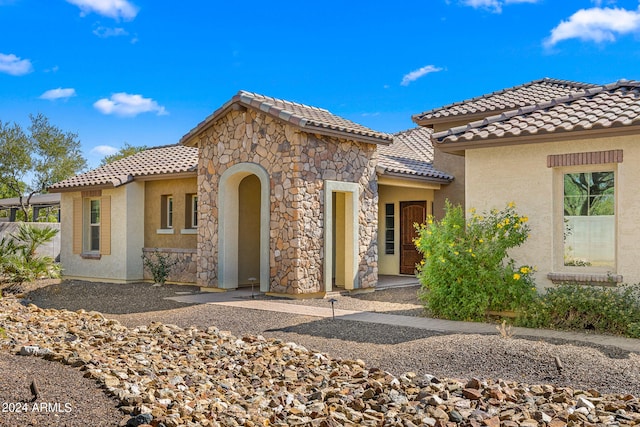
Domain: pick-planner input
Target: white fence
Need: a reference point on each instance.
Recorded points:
(51, 249)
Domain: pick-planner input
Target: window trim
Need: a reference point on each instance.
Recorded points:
(166, 214)
(191, 212)
(389, 241)
(559, 266)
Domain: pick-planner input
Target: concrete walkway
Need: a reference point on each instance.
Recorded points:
(242, 299)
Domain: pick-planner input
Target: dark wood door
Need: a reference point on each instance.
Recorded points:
(410, 214)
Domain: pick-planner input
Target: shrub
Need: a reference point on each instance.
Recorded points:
(602, 309)
(466, 270)
(19, 261)
(159, 265)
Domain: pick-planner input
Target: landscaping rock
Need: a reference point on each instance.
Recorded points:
(173, 376)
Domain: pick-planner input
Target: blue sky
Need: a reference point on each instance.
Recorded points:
(147, 71)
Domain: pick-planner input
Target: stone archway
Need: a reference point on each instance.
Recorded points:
(229, 222)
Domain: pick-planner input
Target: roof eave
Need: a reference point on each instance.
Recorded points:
(79, 188)
(461, 147)
(424, 178)
(457, 118)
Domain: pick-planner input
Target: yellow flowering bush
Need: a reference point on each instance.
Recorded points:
(466, 270)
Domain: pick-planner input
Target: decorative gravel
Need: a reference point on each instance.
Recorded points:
(393, 349)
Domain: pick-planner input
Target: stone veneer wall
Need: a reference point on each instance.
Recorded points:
(184, 271)
(297, 163)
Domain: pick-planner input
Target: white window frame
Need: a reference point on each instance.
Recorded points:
(89, 226)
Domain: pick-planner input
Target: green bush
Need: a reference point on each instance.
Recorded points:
(159, 265)
(466, 270)
(601, 309)
(19, 261)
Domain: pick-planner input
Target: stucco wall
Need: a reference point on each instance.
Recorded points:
(454, 165)
(298, 165)
(154, 190)
(125, 262)
(390, 264)
(496, 176)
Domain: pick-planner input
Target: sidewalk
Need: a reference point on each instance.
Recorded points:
(242, 299)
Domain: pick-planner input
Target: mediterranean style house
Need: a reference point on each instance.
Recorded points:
(302, 202)
(263, 190)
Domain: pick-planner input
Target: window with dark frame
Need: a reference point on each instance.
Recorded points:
(389, 234)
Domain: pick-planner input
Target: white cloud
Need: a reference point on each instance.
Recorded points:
(115, 9)
(105, 32)
(124, 104)
(596, 24)
(416, 74)
(494, 5)
(104, 150)
(58, 93)
(11, 64)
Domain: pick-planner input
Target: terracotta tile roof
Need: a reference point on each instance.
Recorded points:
(154, 161)
(307, 118)
(610, 106)
(512, 98)
(410, 154)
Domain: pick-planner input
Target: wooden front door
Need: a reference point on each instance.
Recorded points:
(410, 214)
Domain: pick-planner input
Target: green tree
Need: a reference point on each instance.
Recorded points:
(45, 155)
(467, 270)
(126, 151)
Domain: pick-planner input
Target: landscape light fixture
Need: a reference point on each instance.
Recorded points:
(252, 280)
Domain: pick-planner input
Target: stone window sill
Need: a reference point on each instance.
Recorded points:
(189, 231)
(586, 278)
(90, 255)
(164, 231)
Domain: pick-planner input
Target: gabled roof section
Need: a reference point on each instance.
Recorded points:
(611, 108)
(410, 154)
(307, 118)
(531, 93)
(155, 161)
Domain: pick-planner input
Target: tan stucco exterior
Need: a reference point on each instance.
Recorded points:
(124, 263)
(519, 173)
(155, 235)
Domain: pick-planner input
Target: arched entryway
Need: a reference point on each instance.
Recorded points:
(243, 226)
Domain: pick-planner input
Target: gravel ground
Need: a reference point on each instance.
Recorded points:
(394, 349)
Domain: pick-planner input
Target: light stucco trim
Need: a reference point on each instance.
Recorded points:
(352, 208)
(228, 203)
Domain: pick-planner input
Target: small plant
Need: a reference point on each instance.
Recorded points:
(466, 270)
(19, 262)
(159, 265)
(601, 309)
(504, 330)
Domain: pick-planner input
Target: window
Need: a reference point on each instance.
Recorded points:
(91, 233)
(191, 216)
(94, 225)
(166, 212)
(389, 234)
(589, 219)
